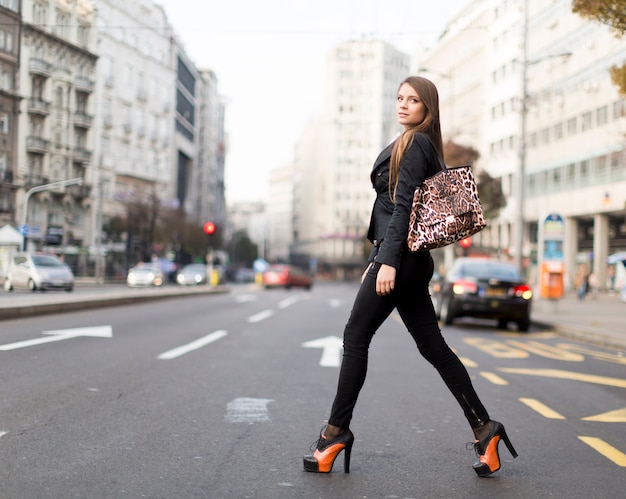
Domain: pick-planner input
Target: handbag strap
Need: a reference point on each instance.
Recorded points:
(441, 162)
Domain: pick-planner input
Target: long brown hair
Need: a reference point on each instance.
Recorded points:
(430, 126)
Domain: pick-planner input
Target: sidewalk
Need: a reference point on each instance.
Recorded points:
(600, 320)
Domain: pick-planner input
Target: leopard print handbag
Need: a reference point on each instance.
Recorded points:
(445, 209)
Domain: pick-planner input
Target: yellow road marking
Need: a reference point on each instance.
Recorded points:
(617, 416)
(607, 450)
(558, 374)
(468, 362)
(542, 409)
(494, 378)
(498, 349)
(616, 358)
(547, 351)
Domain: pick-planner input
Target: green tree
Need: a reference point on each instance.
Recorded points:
(241, 249)
(489, 188)
(613, 14)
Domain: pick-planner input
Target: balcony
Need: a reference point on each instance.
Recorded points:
(82, 119)
(79, 191)
(34, 180)
(40, 67)
(37, 144)
(38, 106)
(82, 155)
(83, 84)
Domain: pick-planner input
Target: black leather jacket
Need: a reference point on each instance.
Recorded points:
(389, 222)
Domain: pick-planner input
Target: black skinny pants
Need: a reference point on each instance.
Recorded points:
(412, 299)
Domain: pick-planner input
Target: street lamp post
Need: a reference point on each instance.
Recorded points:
(40, 188)
(521, 172)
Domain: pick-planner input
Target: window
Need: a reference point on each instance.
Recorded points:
(601, 165)
(558, 131)
(4, 123)
(619, 109)
(572, 126)
(602, 115)
(584, 169)
(585, 123)
(570, 173)
(5, 79)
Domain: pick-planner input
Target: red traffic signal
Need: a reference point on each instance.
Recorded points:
(209, 228)
(466, 242)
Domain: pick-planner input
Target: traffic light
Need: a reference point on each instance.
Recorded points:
(209, 228)
(466, 244)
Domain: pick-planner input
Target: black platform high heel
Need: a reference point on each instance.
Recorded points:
(487, 450)
(327, 450)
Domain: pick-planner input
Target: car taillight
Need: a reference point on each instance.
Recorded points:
(523, 291)
(459, 287)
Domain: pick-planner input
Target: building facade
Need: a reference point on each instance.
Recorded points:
(54, 143)
(362, 79)
(553, 126)
(10, 29)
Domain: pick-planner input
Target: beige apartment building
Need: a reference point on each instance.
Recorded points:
(57, 77)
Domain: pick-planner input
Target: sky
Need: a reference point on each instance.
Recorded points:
(269, 57)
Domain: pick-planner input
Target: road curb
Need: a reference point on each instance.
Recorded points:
(22, 311)
(581, 334)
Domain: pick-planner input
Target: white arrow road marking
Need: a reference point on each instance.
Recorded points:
(261, 316)
(248, 410)
(194, 345)
(62, 334)
(332, 347)
(3, 433)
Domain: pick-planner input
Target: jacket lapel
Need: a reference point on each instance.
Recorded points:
(384, 155)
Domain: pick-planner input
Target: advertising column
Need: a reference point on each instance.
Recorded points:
(552, 266)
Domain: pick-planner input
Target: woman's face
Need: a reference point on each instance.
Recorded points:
(409, 107)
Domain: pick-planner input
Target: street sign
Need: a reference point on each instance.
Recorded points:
(23, 228)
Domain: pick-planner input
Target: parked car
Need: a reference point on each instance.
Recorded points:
(144, 274)
(286, 276)
(483, 288)
(192, 274)
(37, 271)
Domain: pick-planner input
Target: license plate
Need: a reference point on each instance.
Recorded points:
(494, 292)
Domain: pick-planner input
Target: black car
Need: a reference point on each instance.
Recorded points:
(483, 288)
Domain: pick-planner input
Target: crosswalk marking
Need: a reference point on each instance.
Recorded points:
(541, 408)
(607, 450)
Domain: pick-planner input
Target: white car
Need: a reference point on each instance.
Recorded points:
(37, 271)
(144, 275)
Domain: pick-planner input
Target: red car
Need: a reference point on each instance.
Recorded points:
(286, 276)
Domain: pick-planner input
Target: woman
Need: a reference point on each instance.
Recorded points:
(397, 278)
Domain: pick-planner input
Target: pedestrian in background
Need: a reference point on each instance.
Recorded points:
(398, 278)
(581, 281)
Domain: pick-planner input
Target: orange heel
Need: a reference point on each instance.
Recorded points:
(487, 450)
(327, 450)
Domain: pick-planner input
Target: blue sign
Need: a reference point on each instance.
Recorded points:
(23, 229)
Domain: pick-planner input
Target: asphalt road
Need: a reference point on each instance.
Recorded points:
(219, 396)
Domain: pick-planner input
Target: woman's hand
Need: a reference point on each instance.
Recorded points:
(385, 280)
